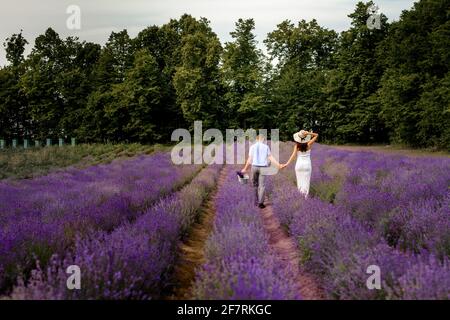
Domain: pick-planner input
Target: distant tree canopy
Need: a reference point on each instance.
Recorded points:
(364, 85)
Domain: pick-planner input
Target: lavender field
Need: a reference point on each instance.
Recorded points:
(371, 209)
(125, 225)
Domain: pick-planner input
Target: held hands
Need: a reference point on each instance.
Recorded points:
(280, 166)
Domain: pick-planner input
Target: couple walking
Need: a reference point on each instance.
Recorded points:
(259, 156)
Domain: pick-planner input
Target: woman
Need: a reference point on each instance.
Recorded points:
(304, 141)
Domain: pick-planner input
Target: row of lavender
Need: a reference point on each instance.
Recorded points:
(403, 199)
(406, 200)
(240, 264)
(43, 216)
(339, 240)
(135, 260)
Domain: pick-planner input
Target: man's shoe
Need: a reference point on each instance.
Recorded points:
(261, 206)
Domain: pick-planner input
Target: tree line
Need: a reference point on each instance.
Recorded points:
(363, 85)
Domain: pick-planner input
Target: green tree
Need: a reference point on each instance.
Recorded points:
(164, 43)
(14, 113)
(128, 111)
(243, 73)
(354, 102)
(197, 79)
(364, 85)
(141, 97)
(304, 53)
(414, 89)
(15, 48)
(39, 84)
(98, 120)
(121, 48)
(57, 83)
(75, 83)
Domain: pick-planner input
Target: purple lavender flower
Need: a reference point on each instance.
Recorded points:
(43, 216)
(132, 262)
(240, 264)
(382, 200)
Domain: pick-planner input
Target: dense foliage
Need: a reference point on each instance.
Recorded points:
(363, 85)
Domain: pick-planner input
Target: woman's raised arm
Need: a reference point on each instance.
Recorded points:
(314, 135)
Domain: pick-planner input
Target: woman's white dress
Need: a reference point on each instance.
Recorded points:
(303, 171)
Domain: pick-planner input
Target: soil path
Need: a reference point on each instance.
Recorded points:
(192, 249)
(285, 247)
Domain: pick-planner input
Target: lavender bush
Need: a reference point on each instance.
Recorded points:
(132, 262)
(239, 261)
(43, 216)
(402, 198)
(377, 205)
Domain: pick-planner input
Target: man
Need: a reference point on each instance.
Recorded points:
(258, 157)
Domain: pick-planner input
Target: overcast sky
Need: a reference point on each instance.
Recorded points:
(100, 17)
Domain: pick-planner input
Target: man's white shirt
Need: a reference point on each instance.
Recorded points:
(259, 152)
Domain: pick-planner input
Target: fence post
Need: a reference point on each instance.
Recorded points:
(49, 142)
(73, 142)
(37, 143)
(2, 144)
(14, 143)
(61, 142)
(25, 143)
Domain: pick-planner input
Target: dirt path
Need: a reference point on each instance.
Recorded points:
(285, 247)
(192, 250)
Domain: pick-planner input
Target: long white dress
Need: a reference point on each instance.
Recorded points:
(303, 170)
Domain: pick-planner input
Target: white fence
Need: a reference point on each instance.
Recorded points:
(25, 144)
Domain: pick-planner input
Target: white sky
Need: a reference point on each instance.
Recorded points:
(100, 17)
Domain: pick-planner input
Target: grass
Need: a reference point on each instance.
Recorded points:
(28, 163)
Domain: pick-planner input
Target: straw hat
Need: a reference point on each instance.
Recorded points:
(301, 137)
